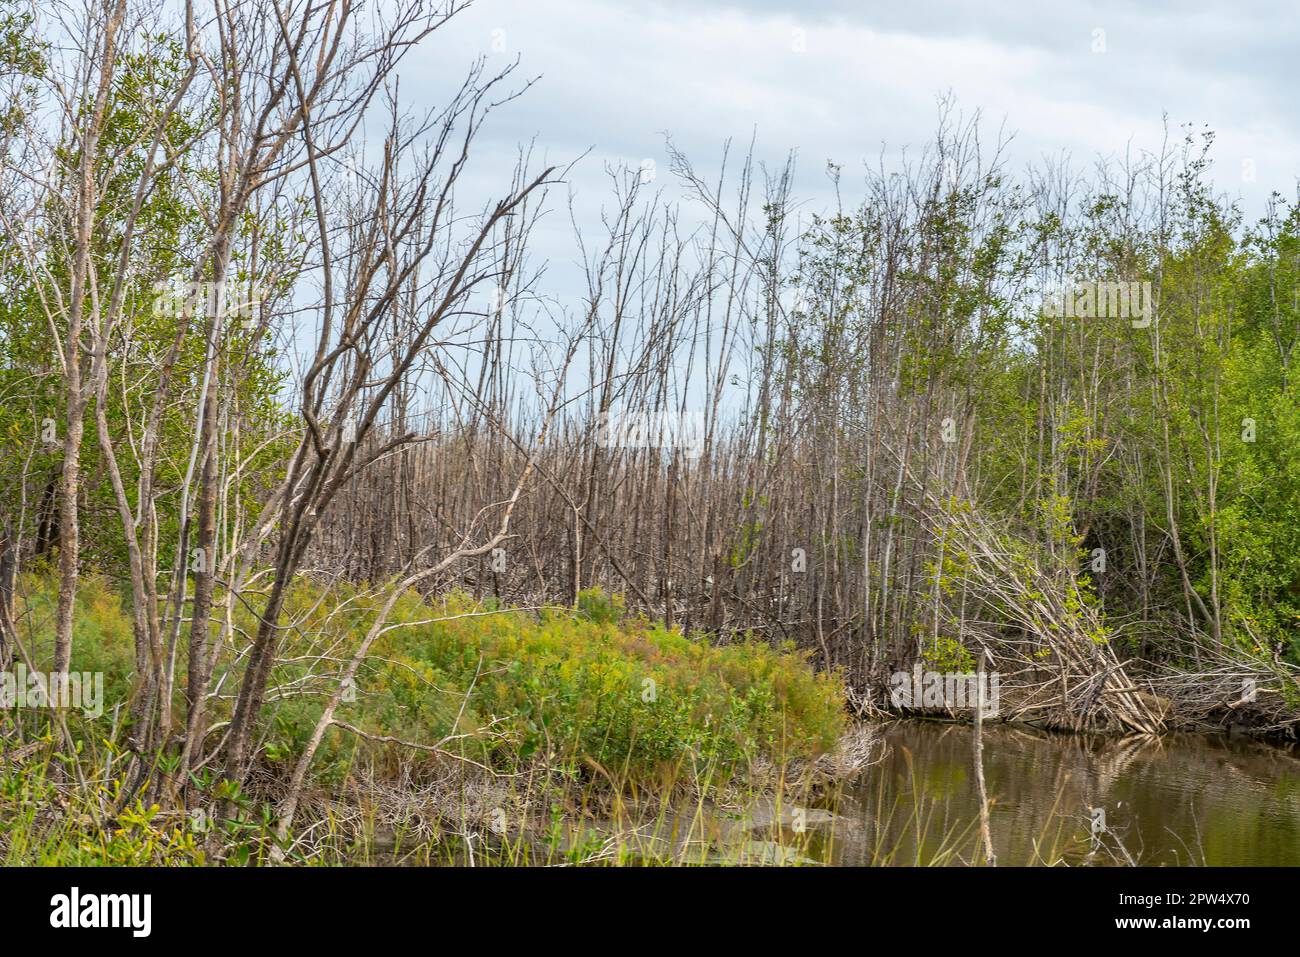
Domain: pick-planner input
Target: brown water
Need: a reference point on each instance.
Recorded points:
(1055, 799)
(1177, 800)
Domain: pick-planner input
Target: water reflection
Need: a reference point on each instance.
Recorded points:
(1177, 800)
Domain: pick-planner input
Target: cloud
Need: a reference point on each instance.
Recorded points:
(836, 80)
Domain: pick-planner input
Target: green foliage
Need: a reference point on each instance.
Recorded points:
(169, 233)
(597, 606)
(630, 696)
(948, 655)
(579, 689)
(102, 640)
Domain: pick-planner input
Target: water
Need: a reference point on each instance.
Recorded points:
(1177, 800)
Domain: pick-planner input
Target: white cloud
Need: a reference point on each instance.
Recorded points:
(615, 76)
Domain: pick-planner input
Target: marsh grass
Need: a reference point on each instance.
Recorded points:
(548, 716)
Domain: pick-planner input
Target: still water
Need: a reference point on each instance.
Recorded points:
(1176, 800)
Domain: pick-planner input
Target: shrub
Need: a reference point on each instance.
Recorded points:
(577, 686)
(593, 685)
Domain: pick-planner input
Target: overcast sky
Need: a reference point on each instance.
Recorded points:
(842, 80)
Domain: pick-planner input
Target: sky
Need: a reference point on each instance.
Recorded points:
(859, 84)
(843, 80)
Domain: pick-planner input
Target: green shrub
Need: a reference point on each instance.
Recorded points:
(577, 686)
(595, 605)
(629, 695)
(102, 640)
